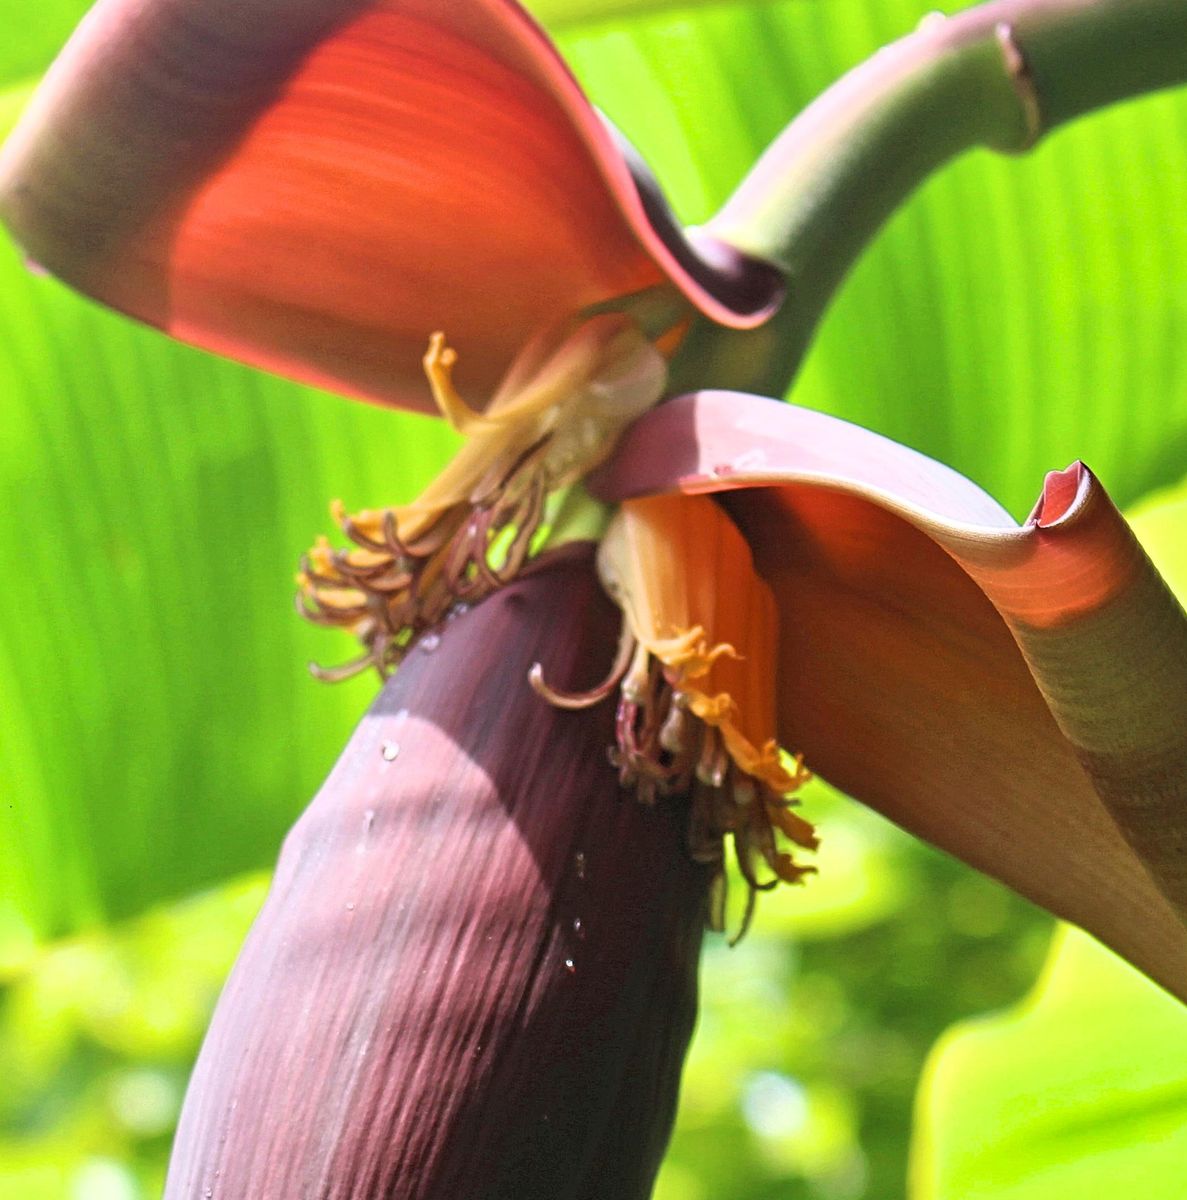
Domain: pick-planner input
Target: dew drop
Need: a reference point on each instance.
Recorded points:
(430, 642)
(368, 820)
(578, 927)
(350, 907)
(391, 751)
(458, 610)
(570, 966)
(579, 863)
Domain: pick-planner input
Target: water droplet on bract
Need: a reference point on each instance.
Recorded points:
(570, 966)
(578, 927)
(350, 907)
(391, 751)
(208, 1192)
(430, 642)
(579, 863)
(458, 610)
(368, 820)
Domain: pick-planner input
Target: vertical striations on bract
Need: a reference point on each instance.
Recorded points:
(475, 974)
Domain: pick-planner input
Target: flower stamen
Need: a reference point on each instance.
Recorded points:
(696, 705)
(471, 531)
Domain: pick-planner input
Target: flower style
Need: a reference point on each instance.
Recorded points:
(318, 187)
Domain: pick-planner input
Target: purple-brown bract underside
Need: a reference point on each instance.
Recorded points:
(475, 974)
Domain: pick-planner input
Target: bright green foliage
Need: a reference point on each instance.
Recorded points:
(1161, 523)
(1080, 1091)
(96, 1041)
(30, 45)
(160, 728)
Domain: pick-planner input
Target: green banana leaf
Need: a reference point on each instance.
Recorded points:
(1078, 1092)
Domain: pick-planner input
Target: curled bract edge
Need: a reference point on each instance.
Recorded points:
(1015, 694)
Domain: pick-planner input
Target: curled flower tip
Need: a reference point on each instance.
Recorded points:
(568, 700)
(439, 360)
(343, 671)
(580, 700)
(747, 916)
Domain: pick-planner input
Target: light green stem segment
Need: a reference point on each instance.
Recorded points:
(573, 516)
(998, 75)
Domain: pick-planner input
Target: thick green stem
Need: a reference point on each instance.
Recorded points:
(997, 75)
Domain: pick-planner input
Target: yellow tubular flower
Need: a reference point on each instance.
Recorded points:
(684, 578)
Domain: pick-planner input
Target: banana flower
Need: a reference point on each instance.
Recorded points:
(475, 972)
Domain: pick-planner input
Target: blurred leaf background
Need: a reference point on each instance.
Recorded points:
(159, 732)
